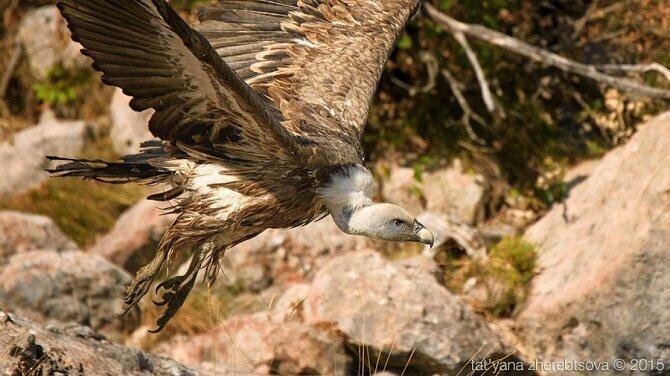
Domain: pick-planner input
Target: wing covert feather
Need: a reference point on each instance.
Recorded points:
(319, 61)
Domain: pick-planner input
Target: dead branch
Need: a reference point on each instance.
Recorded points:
(468, 113)
(593, 13)
(581, 22)
(542, 56)
(432, 69)
(593, 115)
(479, 72)
(636, 68)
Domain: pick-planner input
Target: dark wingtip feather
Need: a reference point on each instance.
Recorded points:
(108, 172)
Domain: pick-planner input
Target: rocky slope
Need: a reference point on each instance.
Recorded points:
(313, 300)
(603, 287)
(30, 349)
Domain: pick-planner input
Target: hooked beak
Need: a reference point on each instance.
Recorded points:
(423, 234)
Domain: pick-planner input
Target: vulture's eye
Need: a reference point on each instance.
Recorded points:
(398, 222)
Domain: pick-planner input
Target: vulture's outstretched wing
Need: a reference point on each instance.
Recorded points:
(318, 60)
(145, 48)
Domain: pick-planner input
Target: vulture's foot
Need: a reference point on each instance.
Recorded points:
(142, 282)
(173, 291)
(176, 290)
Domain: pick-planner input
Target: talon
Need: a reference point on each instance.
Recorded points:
(156, 330)
(167, 298)
(170, 284)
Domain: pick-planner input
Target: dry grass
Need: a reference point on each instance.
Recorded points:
(82, 209)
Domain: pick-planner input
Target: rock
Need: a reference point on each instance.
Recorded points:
(494, 232)
(46, 41)
(135, 234)
(324, 237)
(129, 127)
(284, 257)
(24, 158)
(289, 306)
(449, 229)
(603, 288)
(579, 173)
(384, 306)
(69, 286)
(250, 265)
(26, 232)
(426, 266)
(29, 349)
(447, 190)
(255, 344)
(402, 188)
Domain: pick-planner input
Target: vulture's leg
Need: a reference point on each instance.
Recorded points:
(146, 275)
(209, 242)
(174, 291)
(171, 243)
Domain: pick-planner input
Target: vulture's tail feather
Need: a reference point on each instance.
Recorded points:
(109, 172)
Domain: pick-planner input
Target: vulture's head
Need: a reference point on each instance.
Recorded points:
(348, 197)
(388, 222)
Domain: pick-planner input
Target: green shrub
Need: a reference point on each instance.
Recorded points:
(63, 86)
(507, 274)
(502, 280)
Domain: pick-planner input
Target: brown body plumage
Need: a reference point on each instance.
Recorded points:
(259, 106)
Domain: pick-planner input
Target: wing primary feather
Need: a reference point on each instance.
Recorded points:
(146, 48)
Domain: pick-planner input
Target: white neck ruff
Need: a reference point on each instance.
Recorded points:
(348, 190)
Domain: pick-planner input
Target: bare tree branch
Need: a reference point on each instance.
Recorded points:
(432, 69)
(592, 115)
(468, 114)
(636, 68)
(479, 72)
(593, 13)
(542, 56)
(581, 22)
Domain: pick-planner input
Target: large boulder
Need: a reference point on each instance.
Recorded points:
(288, 307)
(448, 190)
(24, 157)
(135, 235)
(69, 286)
(255, 344)
(603, 288)
(46, 41)
(21, 232)
(399, 310)
(29, 349)
(129, 127)
(286, 256)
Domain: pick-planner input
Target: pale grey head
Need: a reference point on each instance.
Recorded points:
(348, 197)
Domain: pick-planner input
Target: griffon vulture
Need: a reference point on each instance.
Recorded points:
(260, 109)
